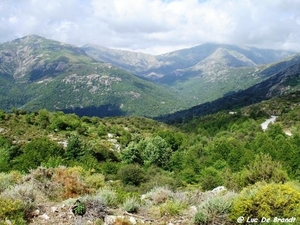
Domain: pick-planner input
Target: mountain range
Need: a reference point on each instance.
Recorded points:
(36, 73)
(39, 73)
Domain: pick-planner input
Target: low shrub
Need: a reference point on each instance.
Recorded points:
(215, 209)
(159, 195)
(131, 204)
(172, 207)
(201, 218)
(70, 182)
(108, 197)
(26, 193)
(267, 200)
(94, 206)
(9, 179)
(95, 181)
(13, 211)
(131, 174)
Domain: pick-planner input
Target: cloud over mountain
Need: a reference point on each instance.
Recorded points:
(155, 26)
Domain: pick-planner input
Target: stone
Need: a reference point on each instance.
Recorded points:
(132, 220)
(44, 216)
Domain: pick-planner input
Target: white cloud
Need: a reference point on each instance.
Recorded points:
(155, 25)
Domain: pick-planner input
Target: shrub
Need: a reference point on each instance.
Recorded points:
(131, 154)
(201, 218)
(210, 178)
(159, 195)
(9, 179)
(267, 200)
(172, 207)
(219, 204)
(79, 208)
(108, 197)
(263, 168)
(74, 149)
(131, 174)
(94, 206)
(69, 182)
(215, 209)
(13, 211)
(95, 181)
(36, 152)
(25, 193)
(131, 204)
(155, 151)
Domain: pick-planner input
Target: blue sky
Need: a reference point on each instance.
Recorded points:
(155, 26)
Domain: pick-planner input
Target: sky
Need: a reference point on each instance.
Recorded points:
(155, 26)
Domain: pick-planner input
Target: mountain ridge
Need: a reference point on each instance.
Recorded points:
(285, 80)
(36, 72)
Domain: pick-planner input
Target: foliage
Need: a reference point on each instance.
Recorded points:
(131, 154)
(263, 168)
(215, 209)
(267, 200)
(95, 181)
(131, 204)
(74, 149)
(200, 218)
(171, 207)
(159, 195)
(70, 182)
(9, 179)
(131, 174)
(210, 178)
(108, 196)
(12, 210)
(36, 152)
(155, 151)
(79, 208)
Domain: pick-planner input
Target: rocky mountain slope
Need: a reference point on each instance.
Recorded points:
(39, 73)
(202, 73)
(157, 66)
(286, 79)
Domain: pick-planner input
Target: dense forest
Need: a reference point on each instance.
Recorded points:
(111, 162)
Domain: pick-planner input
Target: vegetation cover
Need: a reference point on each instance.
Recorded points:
(155, 171)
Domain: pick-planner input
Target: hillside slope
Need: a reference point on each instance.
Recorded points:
(202, 73)
(39, 73)
(286, 79)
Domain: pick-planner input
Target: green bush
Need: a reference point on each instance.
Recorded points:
(36, 152)
(131, 204)
(263, 168)
(155, 151)
(9, 179)
(171, 207)
(108, 197)
(210, 178)
(13, 211)
(131, 174)
(201, 218)
(267, 200)
(26, 193)
(95, 181)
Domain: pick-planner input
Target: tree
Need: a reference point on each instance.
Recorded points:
(210, 178)
(263, 168)
(35, 152)
(74, 149)
(131, 174)
(131, 154)
(155, 151)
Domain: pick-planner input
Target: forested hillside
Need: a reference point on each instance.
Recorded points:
(151, 171)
